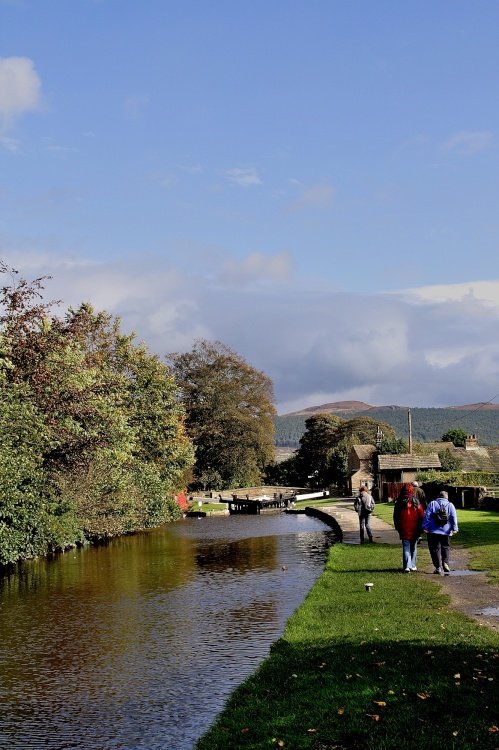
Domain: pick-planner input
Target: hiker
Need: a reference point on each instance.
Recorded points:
(408, 515)
(419, 494)
(440, 523)
(364, 505)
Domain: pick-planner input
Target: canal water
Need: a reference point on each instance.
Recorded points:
(136, 645)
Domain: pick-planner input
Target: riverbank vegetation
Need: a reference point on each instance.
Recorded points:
(92, 437)
(97, 435)
(392, 668)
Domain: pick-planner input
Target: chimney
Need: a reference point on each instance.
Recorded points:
(471, 443)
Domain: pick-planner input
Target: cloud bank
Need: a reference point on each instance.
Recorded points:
(433, 346)
(20, 89)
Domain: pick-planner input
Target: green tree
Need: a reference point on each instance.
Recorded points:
(449, 462)
(455, 435)
(314, 455)
(109, 448)
(328, 440)
(392, 446)
(229, 415)
(285, 473)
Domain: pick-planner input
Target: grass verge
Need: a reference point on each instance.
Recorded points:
(356, 670)
(478, 532)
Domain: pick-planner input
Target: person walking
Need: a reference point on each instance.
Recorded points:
(364, 505)
(440, 523)
(408, 515)
(419, 494)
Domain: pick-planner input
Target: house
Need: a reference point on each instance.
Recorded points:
(395, 470)
(360, 467)
(473, 457)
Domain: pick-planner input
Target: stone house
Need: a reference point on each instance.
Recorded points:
(396, 470)
(361, 460)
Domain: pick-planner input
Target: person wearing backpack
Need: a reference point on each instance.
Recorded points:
(440, 523)
(408, 514)
(364, 505)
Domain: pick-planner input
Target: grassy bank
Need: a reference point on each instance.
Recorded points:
(387, 669)
(478, 532)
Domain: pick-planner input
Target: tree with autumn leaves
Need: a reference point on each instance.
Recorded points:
(92, 438)
(229, 415)
(97, 435)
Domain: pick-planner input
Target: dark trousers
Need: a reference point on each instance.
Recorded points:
(438, 545)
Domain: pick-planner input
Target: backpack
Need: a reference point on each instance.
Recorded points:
(369, 504)
(442, 514)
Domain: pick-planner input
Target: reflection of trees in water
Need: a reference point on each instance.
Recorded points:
(312, 543)
(241, 555)
(257, 614)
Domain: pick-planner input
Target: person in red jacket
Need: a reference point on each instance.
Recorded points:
(408, 515)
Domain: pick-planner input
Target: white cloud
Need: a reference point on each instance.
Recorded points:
(20, 88)
(316, 196)
(243, 177)
(433, 346)
(486, 292)
(256, 268)
(468, 143)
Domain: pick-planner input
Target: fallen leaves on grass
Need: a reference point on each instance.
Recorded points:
(374, 717)
(341, 710)
(493, 729)
(423, 696)
(380, 703)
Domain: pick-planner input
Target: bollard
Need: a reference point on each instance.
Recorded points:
(368, 586)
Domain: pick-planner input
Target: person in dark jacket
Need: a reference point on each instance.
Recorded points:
(364, 505)
(408, 515)
(439, 531)
(419, 494)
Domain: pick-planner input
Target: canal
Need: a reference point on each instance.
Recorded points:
(137, 644)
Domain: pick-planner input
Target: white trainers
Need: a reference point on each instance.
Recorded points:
(446, 568)
(414, 569)
(438, 571)
(407, 570)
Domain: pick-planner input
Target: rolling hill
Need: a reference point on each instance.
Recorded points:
(428, 424)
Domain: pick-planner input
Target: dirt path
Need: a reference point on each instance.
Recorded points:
(468, 590)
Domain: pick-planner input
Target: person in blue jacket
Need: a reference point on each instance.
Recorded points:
(440, 523)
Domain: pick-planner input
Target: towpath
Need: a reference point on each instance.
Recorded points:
(469, 590)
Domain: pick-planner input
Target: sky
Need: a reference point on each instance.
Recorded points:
(314, 183)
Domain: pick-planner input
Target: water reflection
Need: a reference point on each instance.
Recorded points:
(137, 644)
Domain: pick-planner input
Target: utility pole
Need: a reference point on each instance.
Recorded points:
(409, 420)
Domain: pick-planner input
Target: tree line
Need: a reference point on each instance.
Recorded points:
(427, 424)
(98, 435)
(322, 457)
(324, 447)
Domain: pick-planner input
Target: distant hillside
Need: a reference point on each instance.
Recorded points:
(350, 407)
(337, 407)
(428, 425)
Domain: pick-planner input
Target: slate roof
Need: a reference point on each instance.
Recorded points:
(364, 452)
(477, 459)
(408, 461)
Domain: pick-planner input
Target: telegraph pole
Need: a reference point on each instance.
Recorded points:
(409, 420)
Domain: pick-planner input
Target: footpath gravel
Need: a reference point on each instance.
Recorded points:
(469, 590)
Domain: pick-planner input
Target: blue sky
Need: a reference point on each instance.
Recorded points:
(315, 183)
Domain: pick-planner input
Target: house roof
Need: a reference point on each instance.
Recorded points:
(408, 461)
(478, 459)
(364, 452)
